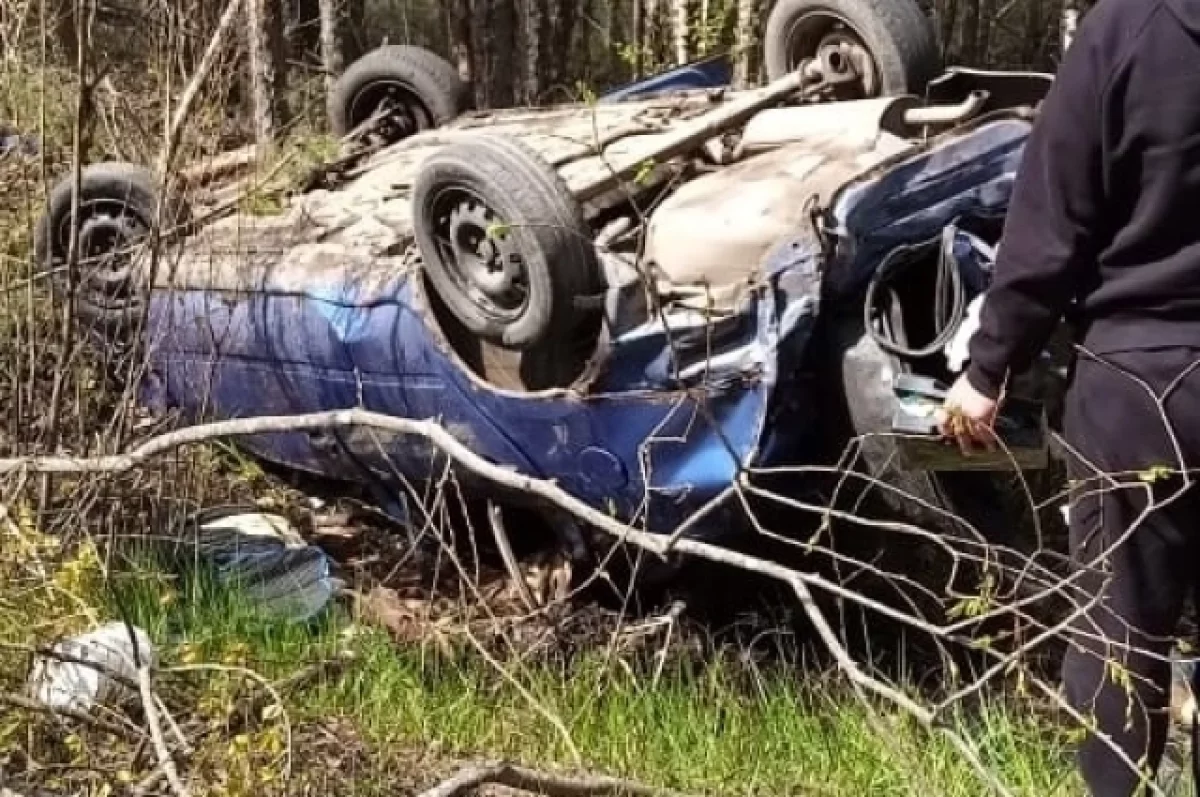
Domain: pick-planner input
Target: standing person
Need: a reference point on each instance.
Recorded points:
(1104, 223)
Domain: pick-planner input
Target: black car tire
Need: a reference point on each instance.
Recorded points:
(896, 33)
(529, 220)
(425, 86)
(115, 198)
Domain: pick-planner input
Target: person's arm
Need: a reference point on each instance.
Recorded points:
(1050, 230)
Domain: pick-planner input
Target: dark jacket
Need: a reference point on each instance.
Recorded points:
(1105, 211)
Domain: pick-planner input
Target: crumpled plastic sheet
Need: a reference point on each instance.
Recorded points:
(976, 260)
(72, 683)
(263, 556)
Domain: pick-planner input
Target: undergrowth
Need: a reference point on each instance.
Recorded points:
(715, 723)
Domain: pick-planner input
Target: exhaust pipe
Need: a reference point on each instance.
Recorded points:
(947, 114)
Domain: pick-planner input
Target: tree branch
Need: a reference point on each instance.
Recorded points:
(529, 780)
(188, 99)
(29, 704)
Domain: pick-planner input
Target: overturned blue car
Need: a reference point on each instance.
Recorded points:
(643, 299)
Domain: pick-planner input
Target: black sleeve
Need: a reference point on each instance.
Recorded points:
(1050, 230)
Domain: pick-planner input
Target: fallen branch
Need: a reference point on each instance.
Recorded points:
(500, 532)
(801, 582)
(529, 780)
(457, 451)
(220, 166)
(165, 762)
(29, 704)
(188, 100)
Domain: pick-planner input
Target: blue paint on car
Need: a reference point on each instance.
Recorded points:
(668, 423)
(713, 72)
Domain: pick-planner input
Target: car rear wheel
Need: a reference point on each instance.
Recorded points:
(891, 43)
(119, 205)
(504, 243)
(404, 89)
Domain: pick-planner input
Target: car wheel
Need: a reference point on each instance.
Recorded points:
(409, 88)
(891, 43)
(118, 207)
(504, 243)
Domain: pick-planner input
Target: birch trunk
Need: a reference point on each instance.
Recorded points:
(332, 57)
(267, 75)
(747, 39)
(679, 29)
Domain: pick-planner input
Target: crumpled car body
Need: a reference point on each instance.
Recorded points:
(673, 410)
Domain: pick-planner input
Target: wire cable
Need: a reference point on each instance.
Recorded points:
(949, 301)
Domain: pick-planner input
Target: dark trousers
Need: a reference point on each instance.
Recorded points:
(1135, 569)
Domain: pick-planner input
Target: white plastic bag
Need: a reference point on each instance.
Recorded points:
(958, 349)
(65, 684)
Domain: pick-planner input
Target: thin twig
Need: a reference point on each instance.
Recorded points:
(529, 780)
(150, 707)
(496, 519)
(29, 704)
(188, 100)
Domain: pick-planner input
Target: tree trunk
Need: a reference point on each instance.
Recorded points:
(983, 46)
(679, 29)
(637, 37)
(532, 42)
(561, 19)
(458, 17)
(66, 28)
(969, 54)
(949, 16)
(496, 45)
(650, 31)
(302, 26)
(353, 22)
(267, 68)
(333, 58)
(747, 40)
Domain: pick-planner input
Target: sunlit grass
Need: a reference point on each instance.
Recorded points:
(716, 726)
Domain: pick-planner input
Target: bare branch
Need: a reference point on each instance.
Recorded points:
(529, 780)
(153, 722)
(29, 704)
(188, 100)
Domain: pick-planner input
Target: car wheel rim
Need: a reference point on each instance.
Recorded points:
(109, 230)
(479, 254)
(838, 48)
(400, 114)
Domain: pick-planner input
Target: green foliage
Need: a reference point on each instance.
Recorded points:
(1157, 473)
(712, 725)
(644, 172)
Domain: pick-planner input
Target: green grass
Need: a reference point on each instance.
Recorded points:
(703, 726)
(691, 730)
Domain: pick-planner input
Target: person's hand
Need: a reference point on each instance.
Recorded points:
(967, 416)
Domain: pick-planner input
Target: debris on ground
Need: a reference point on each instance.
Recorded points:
(98, 667)
(531, 781)
(264, 556)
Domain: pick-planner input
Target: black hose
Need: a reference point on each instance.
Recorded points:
(949, 301)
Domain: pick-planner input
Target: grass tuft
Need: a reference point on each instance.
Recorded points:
(715, 726)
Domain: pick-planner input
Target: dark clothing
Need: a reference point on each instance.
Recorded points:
(1104, 227)
(1104, 209)
(1135, 576)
